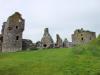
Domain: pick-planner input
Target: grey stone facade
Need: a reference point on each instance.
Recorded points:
(47, 41)
(81, 36)
(12, 33)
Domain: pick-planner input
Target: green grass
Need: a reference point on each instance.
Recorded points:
(80, 60)
(49, 62)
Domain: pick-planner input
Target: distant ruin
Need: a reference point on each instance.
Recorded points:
(11, 37)
(81, 36)
(59, 42)
(66, 43)
(47, 41)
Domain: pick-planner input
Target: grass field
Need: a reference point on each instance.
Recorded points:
(81, 60)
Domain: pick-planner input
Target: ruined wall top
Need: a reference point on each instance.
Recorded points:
(57, 36)
(46, 31)
(82, 30)
(15, 18)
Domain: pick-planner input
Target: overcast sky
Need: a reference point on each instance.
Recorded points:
(60, 16)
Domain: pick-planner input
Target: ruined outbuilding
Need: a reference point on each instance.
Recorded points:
(38, 44)
(59, 42)
(81, 36)
(12, 33)
(47, 41)
(27, 44)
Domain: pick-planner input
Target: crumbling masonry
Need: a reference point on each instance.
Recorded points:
(12, 33)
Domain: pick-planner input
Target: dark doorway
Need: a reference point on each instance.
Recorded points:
(16, 27)
(90, 38)
(82, 39)
(44, 45)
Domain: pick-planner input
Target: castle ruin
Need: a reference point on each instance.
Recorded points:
(11, 37)
(81, 36)
(47, 41)
(12, 33)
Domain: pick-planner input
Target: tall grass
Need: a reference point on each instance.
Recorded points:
(92, 48)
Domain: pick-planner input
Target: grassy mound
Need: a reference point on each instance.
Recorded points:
(81, 60)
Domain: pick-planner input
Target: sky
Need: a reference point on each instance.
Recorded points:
(62, 17)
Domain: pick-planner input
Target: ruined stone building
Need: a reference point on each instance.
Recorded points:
(38, 44)
(27, 44)
(11, 37)
(47, 41)
(12, 33)
(59, 42)
(66, 43)
(81, 36)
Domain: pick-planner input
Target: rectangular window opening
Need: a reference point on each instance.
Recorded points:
(17, 37)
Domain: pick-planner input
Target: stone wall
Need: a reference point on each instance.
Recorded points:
(1, 40)
(59, 42)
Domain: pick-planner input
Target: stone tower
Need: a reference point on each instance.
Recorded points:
(59, 42)
(12, 33)
(47, 41)
(81, 36)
